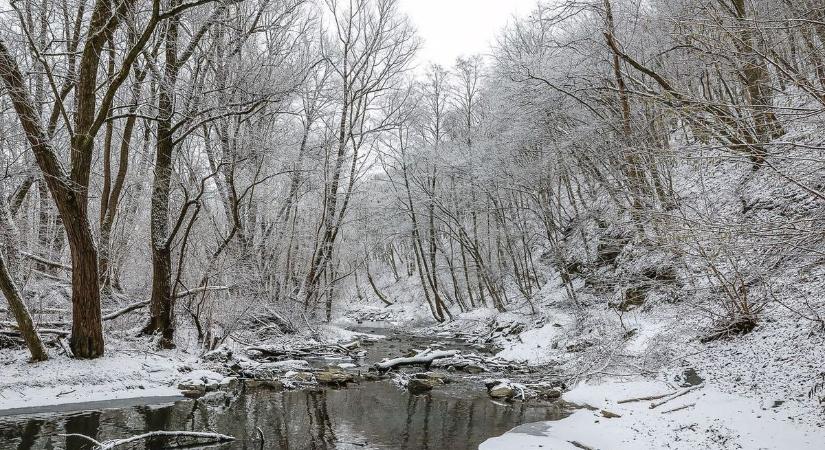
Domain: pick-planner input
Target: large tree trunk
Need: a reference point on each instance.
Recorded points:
(87, 326)
(70, 195)
(162, 301)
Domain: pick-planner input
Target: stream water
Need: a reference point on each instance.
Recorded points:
(370, 415)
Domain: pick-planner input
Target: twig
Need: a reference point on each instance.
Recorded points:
(93, 441)
(677, 395)
(261, 436)
(641, 399)
(679, 408)
(110, 444)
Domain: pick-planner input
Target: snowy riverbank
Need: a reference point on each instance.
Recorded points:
(704, 417)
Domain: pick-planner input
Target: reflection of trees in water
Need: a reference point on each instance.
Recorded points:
(322, 435)
(27, 433)
(378, 413)
(87, 424)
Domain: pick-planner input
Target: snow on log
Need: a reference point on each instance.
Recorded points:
(126, 309)
(203, 437)
(424, 358)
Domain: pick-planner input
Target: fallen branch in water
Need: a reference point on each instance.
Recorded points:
(424, 358)
(210, 438)
(676, 395)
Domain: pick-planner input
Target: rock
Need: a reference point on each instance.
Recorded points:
(194, 392)
(609, 415)
(304, 377)
(473, 369)
(274, 385)
(502, 391)
(286, 365)
(550, 394)
(431, 376)
(426, 381)
(420, 386)
(201, 380)
(372, 376)
(220, 354)
(333, 376)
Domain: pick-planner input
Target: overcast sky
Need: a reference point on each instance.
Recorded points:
(452, 28)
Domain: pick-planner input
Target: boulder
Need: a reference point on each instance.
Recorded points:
(550, 394)
(303, 377)
(220, 354)
(420, 386)
(273, 385)
(502, 391)
(333, 376)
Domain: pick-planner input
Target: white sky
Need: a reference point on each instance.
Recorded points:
(453, 28)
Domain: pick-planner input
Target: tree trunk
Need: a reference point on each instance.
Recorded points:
(10, 291)
(161, 303)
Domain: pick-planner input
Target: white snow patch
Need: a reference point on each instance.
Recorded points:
(61, 380)
(717, 420)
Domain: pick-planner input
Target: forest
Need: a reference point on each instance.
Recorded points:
(611, 215)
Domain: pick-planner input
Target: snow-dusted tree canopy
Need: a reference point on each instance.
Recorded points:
(617, 193)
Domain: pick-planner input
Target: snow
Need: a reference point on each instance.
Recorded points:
(536, 345)
(718, 420)
(61, 380)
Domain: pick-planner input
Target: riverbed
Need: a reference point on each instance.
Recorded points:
(369, 415)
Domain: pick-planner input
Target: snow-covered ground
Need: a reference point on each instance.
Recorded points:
(126, 372)
(61, 380)
(705, 417)
(756, 392)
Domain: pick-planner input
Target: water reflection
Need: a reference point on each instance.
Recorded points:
(367, 416)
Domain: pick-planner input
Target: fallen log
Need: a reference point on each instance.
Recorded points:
(200, 289)
(690, 405)
(124, 310)
(319, 351)
(642, 399)
(15, 332)
(676, 395)
(423, 358)
(206, 438)
(46, 262)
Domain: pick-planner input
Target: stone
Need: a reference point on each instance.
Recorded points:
(332, 376)
(502, 391)
(304, 377)
(274, 385)
(220, 354)
(420, 386)
(192, 391)
(473, 369)
(551, 394)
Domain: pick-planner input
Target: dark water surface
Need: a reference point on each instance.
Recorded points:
(370, 415)
(374, 415)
